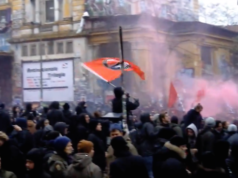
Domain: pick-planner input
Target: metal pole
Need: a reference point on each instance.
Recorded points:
(124, 112)
(41, 62)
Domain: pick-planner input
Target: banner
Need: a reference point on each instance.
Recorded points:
(57, 81)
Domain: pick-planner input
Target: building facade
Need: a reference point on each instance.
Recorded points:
(45, 34)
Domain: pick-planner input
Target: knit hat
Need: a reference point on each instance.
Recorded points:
(116, 126)
(85, 146)
(232, 128)
(210, 122)
(119, 144)
(177, 141)
(60, 143)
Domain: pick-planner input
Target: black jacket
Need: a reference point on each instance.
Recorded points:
(128, 166)
(147, 136)
(12, 159)
(99, 149)
(117, 102)
(5, 122)
(193, 117)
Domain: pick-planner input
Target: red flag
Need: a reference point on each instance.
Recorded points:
(200, 94)
(173, 96)
(109, 69)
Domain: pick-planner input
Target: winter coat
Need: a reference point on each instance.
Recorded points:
(172, 168)
(168, 151)
(177, 129)
(82, 167)
(233, 139)
(148, 135)
(206, 140)
(193, 117)
(54, 116)
(57, 166)
(24, 140)
(110, 152)
(203, 172)
(117, 102)
(5, 122)
(99, 150)
(7, 174)
(128, 166)
(12, 159)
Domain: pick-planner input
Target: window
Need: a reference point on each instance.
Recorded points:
(60, 47)
(69, 47)
(51, 48)
(33, 50)
(206, 55)
(49, 11)
(42, 49)
(24, 50)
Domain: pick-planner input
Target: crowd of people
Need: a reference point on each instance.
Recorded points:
(61, 143)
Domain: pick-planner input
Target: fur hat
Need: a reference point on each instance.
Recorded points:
(3, 136)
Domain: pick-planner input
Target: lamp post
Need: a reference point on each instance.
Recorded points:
(41, 64)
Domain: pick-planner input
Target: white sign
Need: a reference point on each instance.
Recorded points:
(57, 81)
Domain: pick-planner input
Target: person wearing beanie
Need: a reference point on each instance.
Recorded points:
(126, 165)
(117, 131)
(34, 161)
(59, 161)
(206, 138)
(82, 166)
(176, 149)
(97, 138)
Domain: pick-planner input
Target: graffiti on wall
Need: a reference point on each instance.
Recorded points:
(108, 7)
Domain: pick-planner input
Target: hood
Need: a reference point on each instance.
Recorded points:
(81, 160)
(36, 156)
(60, 127)
(66, 106)
(22, 122)
(118, 92)
(193, 128)
(28, 107)
(145, 117)
(55, 105)
(81, 119)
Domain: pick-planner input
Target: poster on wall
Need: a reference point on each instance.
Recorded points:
(57, 81)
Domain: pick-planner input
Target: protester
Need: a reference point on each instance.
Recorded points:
(59, 161)
(82, 166)
(67, 113)
(116, 131)
(194, 116)
(126, 165)
(34, 162)
(175, 126)
(97, 137)
(55, 114)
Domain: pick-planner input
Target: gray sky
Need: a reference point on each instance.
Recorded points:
(226, 12)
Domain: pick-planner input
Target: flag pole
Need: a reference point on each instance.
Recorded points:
(124, 113)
